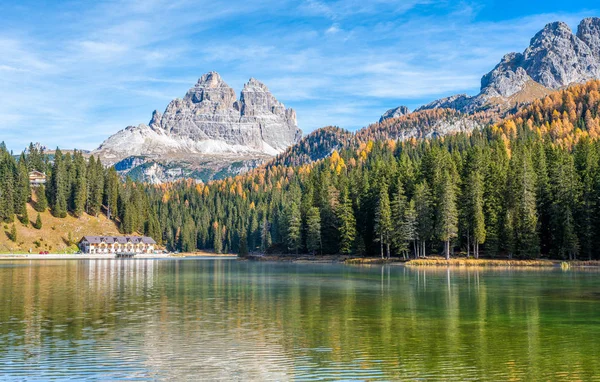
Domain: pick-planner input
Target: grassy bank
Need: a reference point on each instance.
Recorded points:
(55, 236)
(481, 263)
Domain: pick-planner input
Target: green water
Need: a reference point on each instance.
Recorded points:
(230, 320)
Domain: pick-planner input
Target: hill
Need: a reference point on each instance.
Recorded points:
(54, 234)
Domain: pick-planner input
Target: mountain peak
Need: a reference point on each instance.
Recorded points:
(209, 122)
(589, 32)
(394, 113)
(555, 58)
(254, 84)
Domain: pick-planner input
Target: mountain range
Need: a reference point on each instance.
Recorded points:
(209, 134)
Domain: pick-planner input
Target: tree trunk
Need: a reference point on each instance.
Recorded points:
(447, 250)
(468, 245)
(381, 241)
(387, 250)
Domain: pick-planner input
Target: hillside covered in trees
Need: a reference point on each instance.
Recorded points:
(526, 187)
(80, 197)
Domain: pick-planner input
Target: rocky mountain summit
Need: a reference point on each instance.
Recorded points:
(394, 113)
(554, 59)
(209, 125)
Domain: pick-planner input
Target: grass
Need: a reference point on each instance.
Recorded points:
(54, 234)
(481, 262)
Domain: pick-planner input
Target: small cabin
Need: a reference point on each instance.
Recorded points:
(117, 244)
(37, 178)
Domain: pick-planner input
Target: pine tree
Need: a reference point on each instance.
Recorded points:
(294, 226)
(79, 185)
(111, 192)
(13, 233)
(243, 252)
(424, 217)
(383, 221)
(410, 224)
(41, 203)
(23, 192)
(447, 221)
(345, 215)
(38, 222)
(265, 236)
(313, 232)
(217, 237)
(522, 205)
(400, 230)
(58, 191)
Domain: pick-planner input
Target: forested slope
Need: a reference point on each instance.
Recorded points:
(525, 187)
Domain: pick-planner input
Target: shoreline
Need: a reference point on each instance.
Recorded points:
(428, 262)
(170, 256)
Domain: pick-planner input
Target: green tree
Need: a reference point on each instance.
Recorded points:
(38, 222)
(399, 233)
(58, 186)
(522, 205)
(313, 232)
(265, 236)
(383, 221)
(294, 227)
(13, 233)
(424, 216)
(345, 215)
(447, 221)
(41, 203)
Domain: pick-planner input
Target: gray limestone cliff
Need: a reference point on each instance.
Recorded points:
(554, 59)
(210, 121)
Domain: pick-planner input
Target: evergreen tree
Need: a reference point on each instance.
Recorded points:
(399, 233)
(345, 215)
(41, 203)
(424, 217)
(265, 236)
(294, 226)
(313, 232)
(447, 221)
(38, 222)
(59, 187)
(522, 205)
(383, 221)
(23, 192)
(79, 185)
(243, 252)
(13, 233)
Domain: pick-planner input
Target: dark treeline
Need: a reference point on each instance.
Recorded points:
(527, 187)
(74, 185)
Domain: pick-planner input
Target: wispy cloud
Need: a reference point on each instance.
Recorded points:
(74, 73)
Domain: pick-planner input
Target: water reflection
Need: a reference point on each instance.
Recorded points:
(153, 319)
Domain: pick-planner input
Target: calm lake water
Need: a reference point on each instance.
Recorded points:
(230, 320)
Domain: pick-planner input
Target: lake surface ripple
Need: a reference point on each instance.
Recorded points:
(229, 320)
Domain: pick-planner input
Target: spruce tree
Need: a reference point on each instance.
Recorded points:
(294, 226)
(265, 236)
(313, 231)
(59, 187)
(345, 215)
(522, 205)
(447, 221)
(400, 230)
(38, 222)
(383, 221)
(424, 217)
(41, 203)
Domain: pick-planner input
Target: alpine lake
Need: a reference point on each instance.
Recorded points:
(219, 319)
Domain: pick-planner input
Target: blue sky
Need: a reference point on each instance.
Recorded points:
(74, 72)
